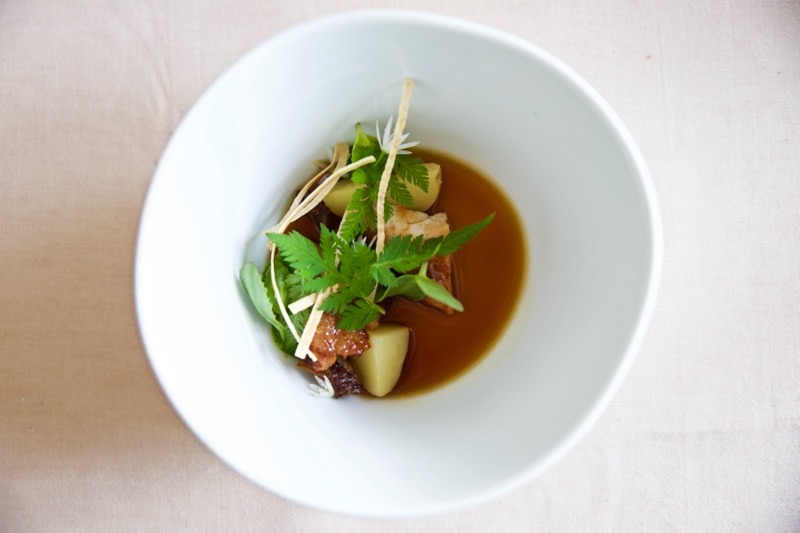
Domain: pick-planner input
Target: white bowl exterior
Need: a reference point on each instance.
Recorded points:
(511, 110)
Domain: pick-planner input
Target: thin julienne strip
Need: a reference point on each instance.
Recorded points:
(380, 207)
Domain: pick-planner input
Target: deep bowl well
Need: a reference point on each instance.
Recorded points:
(495, 101)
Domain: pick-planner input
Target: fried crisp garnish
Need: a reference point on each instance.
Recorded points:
(330, 342)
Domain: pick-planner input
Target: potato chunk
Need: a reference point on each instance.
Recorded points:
(424, 200)
(340, 195)
(379, 367)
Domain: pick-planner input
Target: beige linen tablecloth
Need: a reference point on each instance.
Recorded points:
(704, 434)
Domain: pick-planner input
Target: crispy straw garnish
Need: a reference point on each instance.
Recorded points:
(305, 201)
(302, 304)
(402, 118)
(310, 329)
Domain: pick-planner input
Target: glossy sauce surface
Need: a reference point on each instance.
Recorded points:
(488, 276)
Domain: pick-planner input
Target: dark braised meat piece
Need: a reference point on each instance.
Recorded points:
(344, 379)
(341, 374)
(322, 215)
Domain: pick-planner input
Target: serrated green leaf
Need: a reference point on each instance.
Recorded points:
(354, 268)
(290, 284)
(338, 301)
(328, 245)
(360, 213)
(412, 169)
(398, 191)
(357, 315)
(458, 238)
(301, 254)
(406, 252)
(383, 275)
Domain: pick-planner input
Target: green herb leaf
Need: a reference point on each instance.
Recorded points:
(398, 191)
(250, 278)
(437, 292)
(417, 286)
(300, 253)
(404, 253)
(364, 145)
(357, 315)
(412, 169)
(406, 286)
(458, 238)
(361, 208)
(353, 271)
(262, 295)
(360, 214)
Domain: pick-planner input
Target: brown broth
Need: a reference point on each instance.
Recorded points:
(488, 275)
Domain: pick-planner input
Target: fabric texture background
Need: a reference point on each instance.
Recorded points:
(704, 434)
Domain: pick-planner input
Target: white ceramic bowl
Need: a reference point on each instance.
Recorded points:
(493, 100)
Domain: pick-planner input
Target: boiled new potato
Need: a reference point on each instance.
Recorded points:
(379, 367)
(337, 199)
(424, 200)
